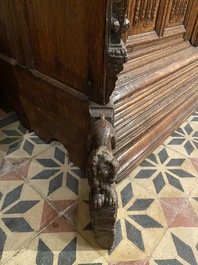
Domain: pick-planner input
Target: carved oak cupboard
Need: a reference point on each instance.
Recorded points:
(110, 79)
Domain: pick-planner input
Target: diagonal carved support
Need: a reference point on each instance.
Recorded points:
(102, 169)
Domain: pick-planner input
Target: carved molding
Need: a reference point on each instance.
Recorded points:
(102, 170)
(116, 51)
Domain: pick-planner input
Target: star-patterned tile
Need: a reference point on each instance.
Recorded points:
(54, 248)
(139, 227)
(44, 209)
(178, 247)
(185, 140)
(193, 118)
(167, 173)
(55, 177)
(20, 216)
(16, 141)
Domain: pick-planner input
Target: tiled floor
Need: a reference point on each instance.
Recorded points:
(44, 217)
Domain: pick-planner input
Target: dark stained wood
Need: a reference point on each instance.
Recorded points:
(14, 32)
(102, 171)
(59, 62)
(51, 115)
(68, 42)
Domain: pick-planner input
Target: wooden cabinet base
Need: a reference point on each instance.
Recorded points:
(115, 75)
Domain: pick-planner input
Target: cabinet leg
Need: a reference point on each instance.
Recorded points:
(102, 169)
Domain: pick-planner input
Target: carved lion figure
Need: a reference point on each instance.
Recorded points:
(101, 171)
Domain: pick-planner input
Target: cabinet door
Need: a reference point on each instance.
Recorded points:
(67, 39)
(160, 17)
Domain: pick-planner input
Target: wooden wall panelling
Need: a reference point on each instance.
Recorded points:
(68, 42)
(142, 15)
(15, 42)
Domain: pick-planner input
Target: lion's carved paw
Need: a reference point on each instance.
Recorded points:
(98, 200)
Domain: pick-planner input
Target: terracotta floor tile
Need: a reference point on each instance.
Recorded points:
(195, 163)
(171, 207)
(50, 214)
(194, 199)
(14, 169)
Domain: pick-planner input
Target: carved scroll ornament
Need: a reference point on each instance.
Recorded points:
(117, 52)
(102, 169)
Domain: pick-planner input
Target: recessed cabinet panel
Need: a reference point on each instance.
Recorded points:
(65, 35)
(142, 15)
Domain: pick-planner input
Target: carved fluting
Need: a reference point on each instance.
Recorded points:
(102, 170)
(145, 13)
(178, 10)
(117, 53)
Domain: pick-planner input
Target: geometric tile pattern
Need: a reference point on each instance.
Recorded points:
(172, 171)
(44, 212)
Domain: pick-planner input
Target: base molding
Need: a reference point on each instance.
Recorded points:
(144, 146)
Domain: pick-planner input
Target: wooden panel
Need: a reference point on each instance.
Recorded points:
(53, 112)
(176, 12)
(142, 15)
(191, 22)
(68, 41)
(14, 32)
(194, 38)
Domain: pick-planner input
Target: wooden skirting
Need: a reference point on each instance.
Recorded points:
(154, 94)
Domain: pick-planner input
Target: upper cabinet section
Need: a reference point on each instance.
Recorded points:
(67, 38)
(62, 39)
